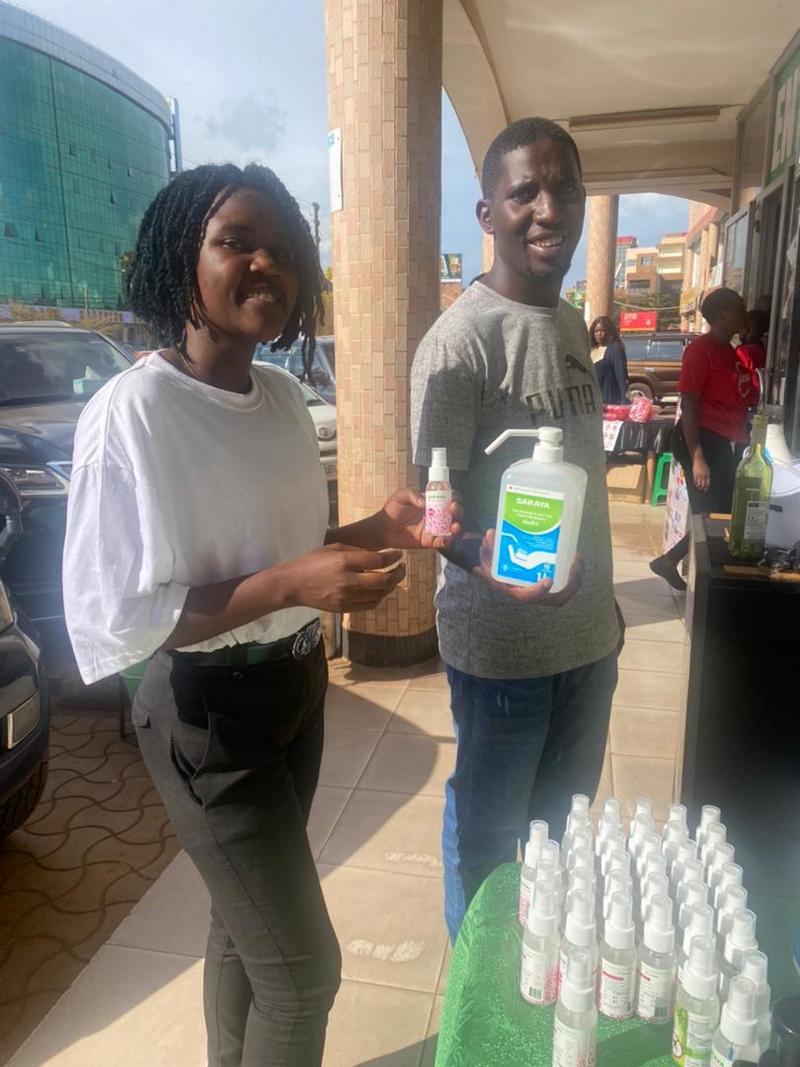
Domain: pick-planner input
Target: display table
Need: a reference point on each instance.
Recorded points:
(652, 436)
(486, 1023)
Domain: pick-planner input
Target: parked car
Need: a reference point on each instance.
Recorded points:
(323, 375)
(24, 709)
(48, 371)
(654, 364)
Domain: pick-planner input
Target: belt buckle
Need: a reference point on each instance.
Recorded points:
(307, 640)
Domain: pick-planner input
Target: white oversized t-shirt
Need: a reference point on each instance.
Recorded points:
(178, 484)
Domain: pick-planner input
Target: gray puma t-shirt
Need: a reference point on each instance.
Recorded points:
(489, 364)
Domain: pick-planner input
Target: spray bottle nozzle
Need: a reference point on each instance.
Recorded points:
(549, 435)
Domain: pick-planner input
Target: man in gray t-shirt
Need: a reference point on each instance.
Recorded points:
(531, 673)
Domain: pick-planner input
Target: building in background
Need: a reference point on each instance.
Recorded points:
(451, 278)
(624, 244)
(702, 268)
(641, 270)
(85, 145)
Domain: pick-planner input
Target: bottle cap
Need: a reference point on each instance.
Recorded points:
(642, 806)
(543, 914)
(611, 806)
(538, 830)
(659, 929)
(580, 857)
(695, 893)
(657, 885)
(439, 471)
(578, 986)
(709, 814)
(721, 855)
(549, 449)
(734, 899)
(730, 875)
(690, 871)
(677, 813)
(551, 852)
(613, 843)
(738, 1020)
(546, 871)
(755, 966)
(532, 852)
(650, 843)
(716, 834)
(616, 882)
(641, 826)
(620, 861)
(581, 878)
(742, 935)
(699, 923)
(619, 931)
(582, 838)
(580, 803)
(580, 928)
(606, 825)
(687, 850)
(656, 863)
(675, 833)
(700, 973)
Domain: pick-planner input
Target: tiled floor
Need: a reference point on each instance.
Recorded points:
(375, 834)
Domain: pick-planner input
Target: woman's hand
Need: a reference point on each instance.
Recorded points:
(339, 578)
(529, 594)
(701, 472)
(401, 522)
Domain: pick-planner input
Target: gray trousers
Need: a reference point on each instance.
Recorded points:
(235, 756)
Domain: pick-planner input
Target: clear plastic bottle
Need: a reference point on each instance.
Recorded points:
(696, 1007)
(606, 825)
(616, 995)
(438, 495)
(755, 967)
(650, 843)
(655, 995)
(657, 885)
(641, 826)
(735, 1037)
(641, 806)
(699, 923)
(613, 843)
(580, 804)
(575, 1029)
(580, 857)
(722, 854)
(675, 834)
(678, 813)
(540, 947)
(581, 838)
(579, 878)
(575, 821)
(696, 893)
(537, 836)
(580, 930)
(616, 882)
(734, 899)
(741, 938)
(731, 874)
(656, 863)
(709, 814)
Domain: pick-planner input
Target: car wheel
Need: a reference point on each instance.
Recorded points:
(20, 805)
(637, 389)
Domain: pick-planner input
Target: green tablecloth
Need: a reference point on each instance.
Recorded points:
(486, 1023)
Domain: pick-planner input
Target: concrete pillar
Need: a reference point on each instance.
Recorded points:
(602, 213)
(384, 93)
(713, 241)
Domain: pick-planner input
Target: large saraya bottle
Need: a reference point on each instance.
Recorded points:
(751, 496)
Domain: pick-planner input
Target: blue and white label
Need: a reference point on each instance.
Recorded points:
(529, 533)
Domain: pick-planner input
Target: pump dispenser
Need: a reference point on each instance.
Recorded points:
(575, 1031)
(580, 930)
(657, 963)
(617, 986)
(696, 1006)
(540, 944)
(539, 513)
(735, 1038)
(438, 495)
(754, 967)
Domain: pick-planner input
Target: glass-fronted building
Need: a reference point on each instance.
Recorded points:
(84, 148)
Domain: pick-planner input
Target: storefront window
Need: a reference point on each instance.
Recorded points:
(736, 252)
(752, 147)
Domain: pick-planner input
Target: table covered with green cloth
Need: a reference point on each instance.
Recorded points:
(486, 1023)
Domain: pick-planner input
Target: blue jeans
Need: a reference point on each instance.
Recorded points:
(524, 747)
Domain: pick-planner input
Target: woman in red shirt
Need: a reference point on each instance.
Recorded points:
(716, 391)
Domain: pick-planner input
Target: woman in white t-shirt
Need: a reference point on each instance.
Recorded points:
(196, 538)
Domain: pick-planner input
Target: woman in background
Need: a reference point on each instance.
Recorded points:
(610, 361)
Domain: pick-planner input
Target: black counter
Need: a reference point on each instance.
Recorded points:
(742, 738)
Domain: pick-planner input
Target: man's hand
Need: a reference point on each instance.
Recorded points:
(401, 522)
(701, 472)
(528, 594)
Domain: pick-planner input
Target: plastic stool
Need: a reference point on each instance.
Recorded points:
(659, 493)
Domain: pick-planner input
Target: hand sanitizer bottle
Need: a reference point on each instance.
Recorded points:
(721, 855)
(580, 930)
(575, 1030)
(538, 834)
(692, 872)
(716, 834)
(575, 822)
(539, 513)
(741, 938)
(438, 495)
(694, 894)
(540, 946)
(731, 874)
(617, 987)
(696, 1008)
(700, 923)
(709, 814)
(734, 899)
(754, 967)
(735, 1038)
(656, 988)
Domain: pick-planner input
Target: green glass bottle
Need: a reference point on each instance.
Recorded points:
(751, 496)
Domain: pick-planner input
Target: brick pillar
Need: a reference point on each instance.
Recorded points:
(603, 212)
(384, 93)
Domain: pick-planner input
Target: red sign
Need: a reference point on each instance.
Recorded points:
(638, 320)
(627, 241)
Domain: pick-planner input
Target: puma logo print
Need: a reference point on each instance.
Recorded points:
(575, 364)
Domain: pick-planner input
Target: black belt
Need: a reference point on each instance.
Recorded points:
(296, 647)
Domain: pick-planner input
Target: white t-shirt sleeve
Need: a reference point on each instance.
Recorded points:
(120, 600)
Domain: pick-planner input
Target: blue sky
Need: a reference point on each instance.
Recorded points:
(250, 78)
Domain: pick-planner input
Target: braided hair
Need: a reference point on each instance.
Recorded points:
(162, 282)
